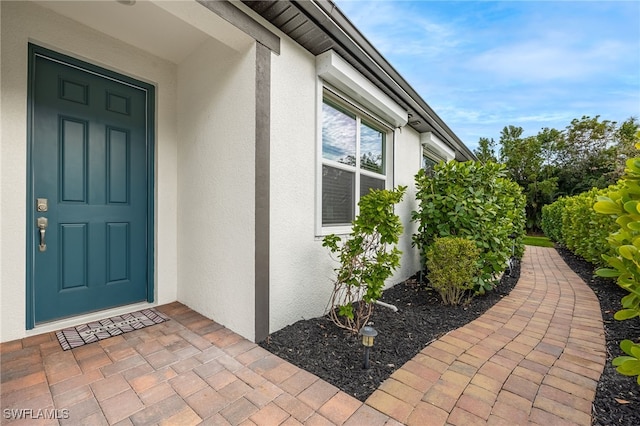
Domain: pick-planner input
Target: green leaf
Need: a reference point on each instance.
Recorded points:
(619, 360)
(607, 207)
(615, 262)
(624, 221)
(628, 251)
(607, 273)
(630, 301)
(631, 206)
(346, 311)
(625, 314)
(632, 187)
(629, 368)
(632, 165)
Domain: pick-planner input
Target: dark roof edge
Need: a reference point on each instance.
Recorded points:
(241, 20)
(339, 27)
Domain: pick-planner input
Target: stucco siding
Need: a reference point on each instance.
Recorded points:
(216, 177)
(301, 268)
(302, 271)
(408, 159)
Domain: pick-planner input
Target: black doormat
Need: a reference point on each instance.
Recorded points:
(73, 337)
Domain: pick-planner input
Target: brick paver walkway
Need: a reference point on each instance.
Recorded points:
(535, 357)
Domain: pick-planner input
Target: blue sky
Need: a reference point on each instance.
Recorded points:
(533, 64)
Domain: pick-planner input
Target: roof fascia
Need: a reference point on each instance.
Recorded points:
(244, 22)
(338, 26)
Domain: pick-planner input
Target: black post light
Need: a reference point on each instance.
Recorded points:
(368, 334)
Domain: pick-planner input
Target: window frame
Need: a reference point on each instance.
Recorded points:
(434, 149)
(426, 153)
(341, 102)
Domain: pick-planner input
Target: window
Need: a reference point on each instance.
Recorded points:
(353, 161)
(428, 162)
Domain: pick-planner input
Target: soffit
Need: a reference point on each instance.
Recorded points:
(169, 30)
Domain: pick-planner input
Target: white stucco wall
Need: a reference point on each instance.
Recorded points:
(301, 269)
(408, 159)
(23, 22)
(216, 160)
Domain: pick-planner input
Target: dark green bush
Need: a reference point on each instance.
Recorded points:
(572, 222)
(475, 201)
(552, 220)
(585, 232)
(623, 205)
(452, 264)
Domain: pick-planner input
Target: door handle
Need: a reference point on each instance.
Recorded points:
(42, 223)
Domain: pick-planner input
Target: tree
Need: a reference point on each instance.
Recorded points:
(588, 155)
(626, 140)
(528, 162)
(486, 150)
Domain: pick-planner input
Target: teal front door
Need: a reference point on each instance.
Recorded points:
(89, 229)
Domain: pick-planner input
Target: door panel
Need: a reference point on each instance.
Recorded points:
(90, 159)
(74, 248)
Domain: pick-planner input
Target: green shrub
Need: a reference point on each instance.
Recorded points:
(475, 201)
(624, 206)
(584, 231)
(451, 267)
(367, 258)
(552, 220)
(572, 222)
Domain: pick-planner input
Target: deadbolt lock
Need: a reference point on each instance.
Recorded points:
(42, 204)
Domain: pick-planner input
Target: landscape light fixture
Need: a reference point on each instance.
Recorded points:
(368, 334)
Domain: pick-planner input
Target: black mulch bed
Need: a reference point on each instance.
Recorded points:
(617, 397)
(320, 347)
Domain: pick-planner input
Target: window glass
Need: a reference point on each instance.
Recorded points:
(367, 183)
(428, 163)
(371, 149)
(338, 204)
(353, 162)
(338, 135)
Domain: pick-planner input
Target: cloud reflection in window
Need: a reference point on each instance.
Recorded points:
(338, 135)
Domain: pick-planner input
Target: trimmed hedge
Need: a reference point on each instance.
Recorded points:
(572, 222)
(552, 220)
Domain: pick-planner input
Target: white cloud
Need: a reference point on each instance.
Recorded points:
(542, 60)
(407, 34)
(485, 65)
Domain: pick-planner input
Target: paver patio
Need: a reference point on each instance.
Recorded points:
(534, 358)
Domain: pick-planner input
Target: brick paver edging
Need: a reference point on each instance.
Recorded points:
(534, 357)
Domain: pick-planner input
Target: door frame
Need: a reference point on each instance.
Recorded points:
(33, 52)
